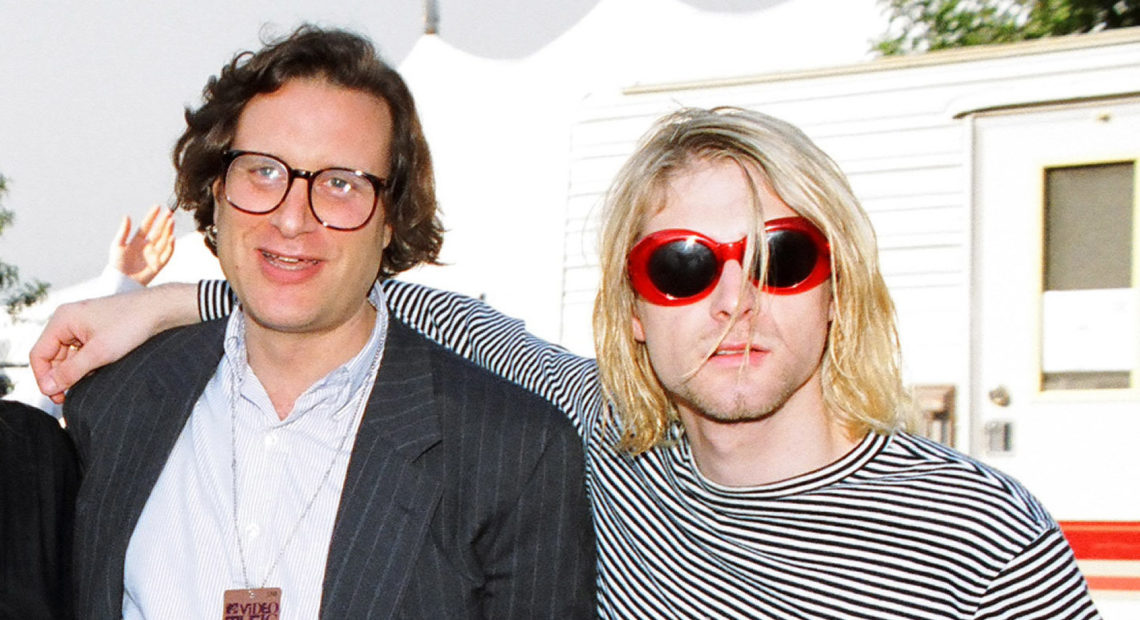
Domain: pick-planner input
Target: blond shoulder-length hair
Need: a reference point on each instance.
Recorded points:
(861, 380)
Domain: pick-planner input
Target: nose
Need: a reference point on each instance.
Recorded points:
(293, 216)
(734, 295)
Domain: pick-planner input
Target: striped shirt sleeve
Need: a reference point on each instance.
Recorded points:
(1042, 582)
(502, 345)
(479, 333)
(215, 299)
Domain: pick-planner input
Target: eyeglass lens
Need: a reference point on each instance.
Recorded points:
(682, 268)
(791, 258)
(340, 198)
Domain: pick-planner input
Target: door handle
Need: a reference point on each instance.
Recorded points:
(999, 396)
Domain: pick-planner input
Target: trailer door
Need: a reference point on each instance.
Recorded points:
(1056, 323)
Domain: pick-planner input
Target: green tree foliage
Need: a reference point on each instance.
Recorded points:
(15, 295)
(918, 26)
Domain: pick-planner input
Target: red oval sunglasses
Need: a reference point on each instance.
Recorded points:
(675, 267)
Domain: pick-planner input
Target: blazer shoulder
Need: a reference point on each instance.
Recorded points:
(196, 339)
(173, 355)
(480, 398)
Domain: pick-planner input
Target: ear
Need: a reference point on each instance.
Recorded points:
(635, 323)
(216, 190)
(385, 235)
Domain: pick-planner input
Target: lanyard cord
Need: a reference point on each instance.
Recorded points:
(358, 402)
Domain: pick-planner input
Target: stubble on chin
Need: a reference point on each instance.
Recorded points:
(744, 401)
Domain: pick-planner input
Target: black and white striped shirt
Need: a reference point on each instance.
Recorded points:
(901, 527)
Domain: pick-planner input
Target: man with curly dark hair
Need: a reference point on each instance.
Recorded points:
(312, 455)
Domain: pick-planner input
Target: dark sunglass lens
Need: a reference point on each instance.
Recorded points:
(791, 258)
(682, 268)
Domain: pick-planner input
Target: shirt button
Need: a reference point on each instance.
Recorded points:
(252, 531)
(270, 439)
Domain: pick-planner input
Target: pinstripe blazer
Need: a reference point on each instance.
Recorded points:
(464, 495)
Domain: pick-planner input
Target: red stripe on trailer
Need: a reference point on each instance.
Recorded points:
(1119, 584)
(1103, 540)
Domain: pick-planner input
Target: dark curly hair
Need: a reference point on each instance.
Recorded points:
(341, 58)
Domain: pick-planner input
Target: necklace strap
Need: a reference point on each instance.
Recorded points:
(358, 402)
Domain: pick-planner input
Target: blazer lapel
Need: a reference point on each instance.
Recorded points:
(391, 488)
(172, 378)
(174, 385)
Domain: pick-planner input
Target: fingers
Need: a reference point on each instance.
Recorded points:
(41, 362)
(160, 245)
(58, 365)
(51, 385)
(120, 238)
(74, 365)
(85, 335)
(50, 355)
(166, 248)
(160, 234)
(144, 231)
(166, 234)
(149, 249)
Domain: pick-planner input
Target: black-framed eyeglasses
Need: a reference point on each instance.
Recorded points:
(340, 198)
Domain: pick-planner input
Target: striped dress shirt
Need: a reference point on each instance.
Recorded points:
(183, 553)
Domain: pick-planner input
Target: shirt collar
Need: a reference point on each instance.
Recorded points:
(331, 393)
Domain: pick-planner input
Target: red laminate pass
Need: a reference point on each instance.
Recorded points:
(252, 604)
